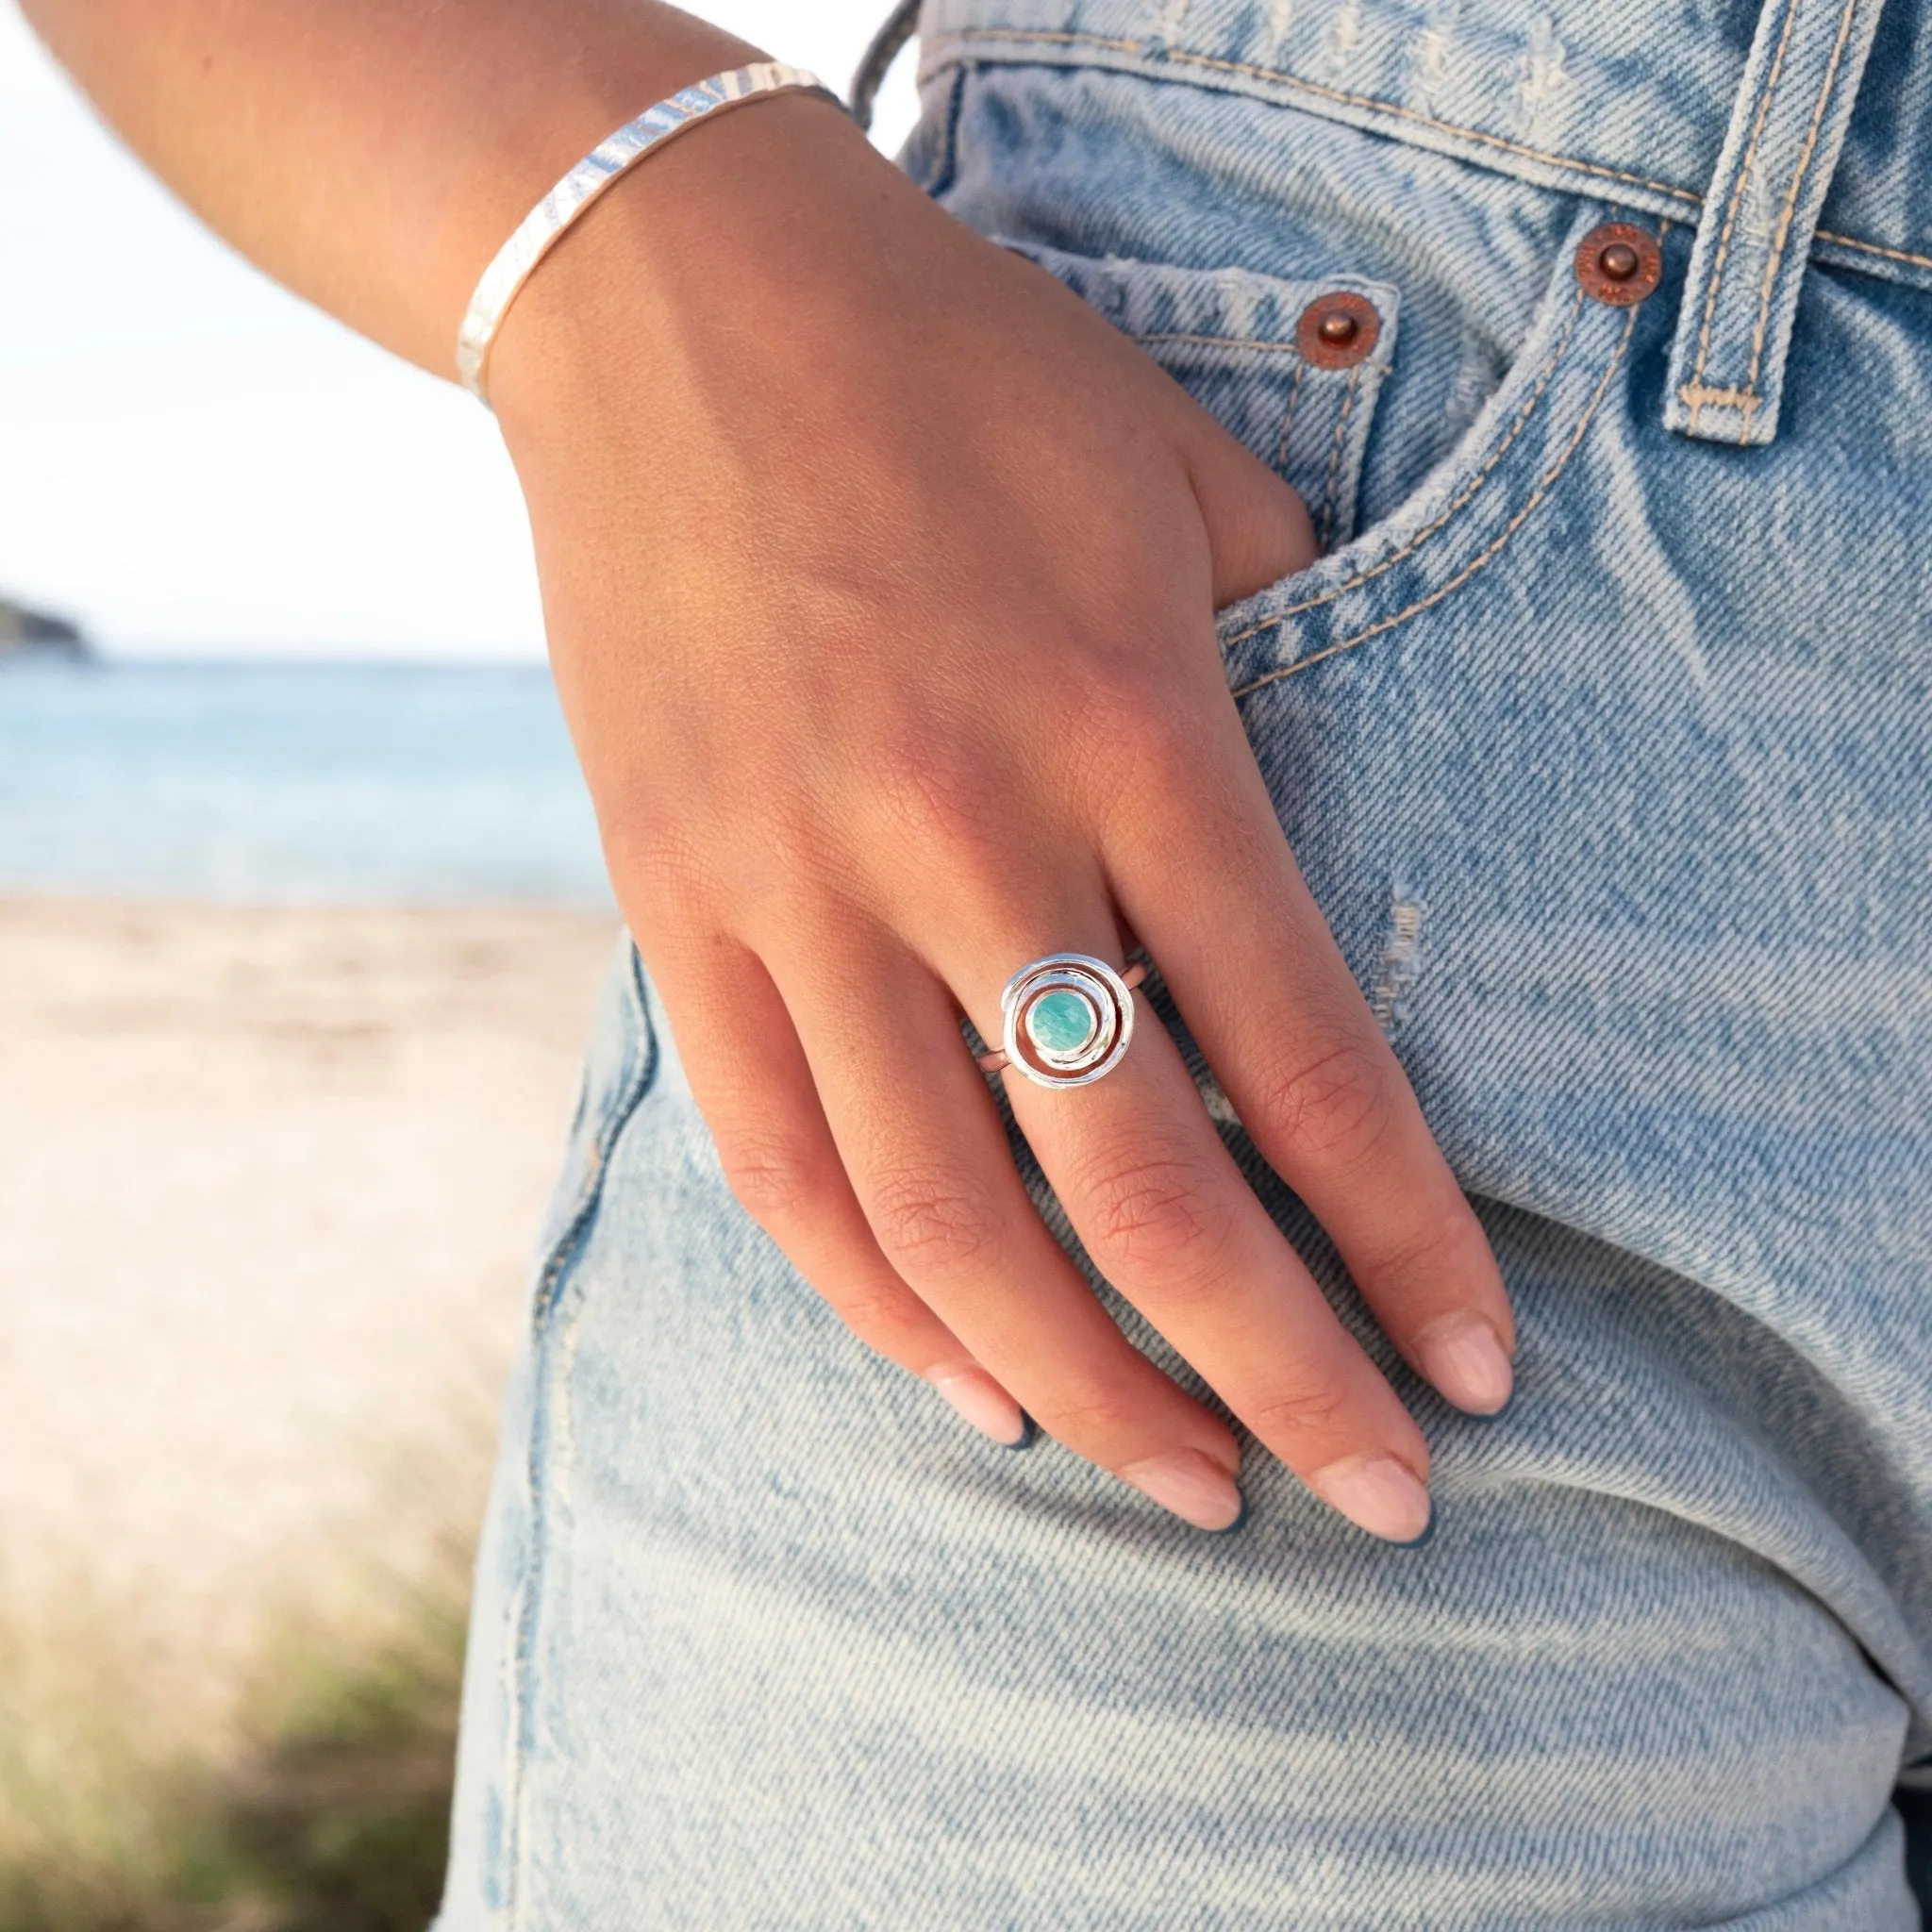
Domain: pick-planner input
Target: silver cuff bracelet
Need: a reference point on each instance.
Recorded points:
(539, 230)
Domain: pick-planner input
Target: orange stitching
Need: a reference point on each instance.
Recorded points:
(1469, 491)
(1745, 402)
(1745, 398)
(1025, 37)
(1213, 342)
(1294, 396)
(991, 33)
(1335, 454)
(1475, 563)
(1870, 248)
(1783, 224)
(1514, 147)
(1568, 162)
(1723, 243)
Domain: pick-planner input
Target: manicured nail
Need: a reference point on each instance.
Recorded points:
(1193, 1486)
(1465, 1360)
(985, 1405)
(1379, 1494)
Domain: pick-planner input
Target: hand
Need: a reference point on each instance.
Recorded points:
(879, 576)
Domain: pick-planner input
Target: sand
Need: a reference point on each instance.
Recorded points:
(267, 1183)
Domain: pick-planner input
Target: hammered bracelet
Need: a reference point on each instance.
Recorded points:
(546, 223)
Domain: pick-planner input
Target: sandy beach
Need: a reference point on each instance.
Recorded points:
(268, 1180)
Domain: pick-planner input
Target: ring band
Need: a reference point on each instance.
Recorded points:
(1068, 1019)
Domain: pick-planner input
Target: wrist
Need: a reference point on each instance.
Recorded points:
(729, 222)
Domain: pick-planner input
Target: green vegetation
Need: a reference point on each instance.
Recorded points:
(329, 1815)
(341, 1824)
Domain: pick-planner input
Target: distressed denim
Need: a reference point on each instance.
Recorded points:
(1601, 735)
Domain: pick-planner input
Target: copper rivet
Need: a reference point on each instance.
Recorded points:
(1338, 331)
(1619, 264)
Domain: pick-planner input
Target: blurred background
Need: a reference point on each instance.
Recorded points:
(301, 923)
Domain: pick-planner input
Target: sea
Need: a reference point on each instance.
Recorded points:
(292, 784)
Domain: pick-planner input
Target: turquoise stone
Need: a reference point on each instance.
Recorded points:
(1061, 1022)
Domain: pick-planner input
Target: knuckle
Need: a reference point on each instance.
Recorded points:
(1438, 1246)
(795, 858)
(1332, 1106)
(656, 857)
(880, 1314)
(1299, 1407)
(929, 781)
(772, 1177)
(937, 1224)
(1156, 1209)
(1147, 733)
(1098, 1422)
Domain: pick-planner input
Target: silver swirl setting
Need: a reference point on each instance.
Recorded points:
(1068, 1019)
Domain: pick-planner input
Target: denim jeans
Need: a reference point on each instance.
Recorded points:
(1600, 732)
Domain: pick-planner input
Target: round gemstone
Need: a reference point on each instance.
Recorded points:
(1061, 1022)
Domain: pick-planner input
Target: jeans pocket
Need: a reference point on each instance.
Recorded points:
(1518, 456)
(1249, 349)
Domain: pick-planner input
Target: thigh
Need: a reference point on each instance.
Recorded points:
(1605, 754)
(764, 1637)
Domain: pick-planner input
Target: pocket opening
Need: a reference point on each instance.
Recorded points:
(1466, 511)
(1231, 337)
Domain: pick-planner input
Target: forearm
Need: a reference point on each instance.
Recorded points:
(373, 154)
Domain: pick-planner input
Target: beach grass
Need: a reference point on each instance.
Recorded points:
(268, 1176)
(323, 1807)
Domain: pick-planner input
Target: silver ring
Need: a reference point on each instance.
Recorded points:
(1068, 1019)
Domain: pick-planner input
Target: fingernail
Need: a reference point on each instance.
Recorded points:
(1378, 1494)
(1465, 1360)
(985, 1405)
(1193, 1486)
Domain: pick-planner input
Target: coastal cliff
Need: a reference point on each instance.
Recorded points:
(25, 633)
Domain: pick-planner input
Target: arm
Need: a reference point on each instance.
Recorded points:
(373, 156)
(879, 578)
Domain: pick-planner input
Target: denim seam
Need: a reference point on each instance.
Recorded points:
(1276, 75)
(1693, 200)
(948, 170)
(1724, 239)
(1483, 558)
(638, 1071)
(1335, 448)
(1833, 240)
(1218, 342)
(1471, 488)
(1805, 155)
(1294, 396)
(1702, 394)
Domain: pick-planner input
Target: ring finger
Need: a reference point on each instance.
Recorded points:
(923, 1142)
(1169, 1219)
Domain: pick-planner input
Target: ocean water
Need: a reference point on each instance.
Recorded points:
(292, 784)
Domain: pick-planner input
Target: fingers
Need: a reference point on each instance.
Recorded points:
(1168, 1219)
(1215, 895)
(1259, 529)
(920, 1137)
(750, 1079)
(856, 1127)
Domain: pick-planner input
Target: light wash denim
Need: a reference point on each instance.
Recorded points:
(1604, 746)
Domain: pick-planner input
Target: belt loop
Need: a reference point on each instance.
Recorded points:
(1727, 362)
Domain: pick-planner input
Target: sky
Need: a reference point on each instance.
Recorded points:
(195, 464)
